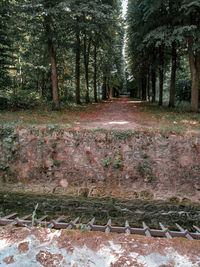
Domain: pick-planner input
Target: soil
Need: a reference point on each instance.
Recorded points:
(121, 114)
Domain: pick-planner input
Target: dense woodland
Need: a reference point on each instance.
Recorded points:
(59, 51)
(164, 45)
(54, 52)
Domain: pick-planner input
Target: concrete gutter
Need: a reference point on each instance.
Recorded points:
(36, 247)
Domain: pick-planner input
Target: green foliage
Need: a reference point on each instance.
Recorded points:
(52, 127)
(145, 170)
(154, 28)
(82, 227)
(25, 30)
(24, 99)
(7, 130)
(8, 148)
(34, 215)
(3, 103)
(123, 134)
(145, 156)
(5, 43)
(57, 163)
(106, 162)
(183, 92)
(118, 163)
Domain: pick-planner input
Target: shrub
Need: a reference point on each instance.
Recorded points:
(24, 99)
(106, 162)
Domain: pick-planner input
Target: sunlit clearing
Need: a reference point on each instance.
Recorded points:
(118, 122)
(135, 102)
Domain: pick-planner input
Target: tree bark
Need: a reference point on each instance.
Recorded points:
(111, 92)
(54, 75)
(86, 62)
(95, 74)
(194, 60)
(153, 82)
(161, 74)
(104, 89)
(52, 57)
(148, 86)
(144, 87)
(173, 76)
(195, 81)
(77, 75)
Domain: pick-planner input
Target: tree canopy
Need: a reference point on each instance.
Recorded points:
(63, 50)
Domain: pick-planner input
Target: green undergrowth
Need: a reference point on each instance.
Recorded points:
(67, 115)
(8, 150)
(177, 120)
(48, 129)
(166, 121)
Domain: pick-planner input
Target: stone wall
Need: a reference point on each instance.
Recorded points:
(125, 164)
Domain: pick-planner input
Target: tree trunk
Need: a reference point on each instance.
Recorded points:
(104, 89)
(107, 90)
(144, 87)
(86, 62)
(161, 74)
(95, 74)
(54, 75)
(111, 92)
(194, 61)
(52, 57)
(153, 82)
(173, 76)
(148, 86)
(78, 41)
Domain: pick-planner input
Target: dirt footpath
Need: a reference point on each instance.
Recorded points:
(122, 114)
(36, 247)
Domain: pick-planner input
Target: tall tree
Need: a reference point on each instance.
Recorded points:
(52, 55)
(173, 76)
(192, 20)
(5, 42)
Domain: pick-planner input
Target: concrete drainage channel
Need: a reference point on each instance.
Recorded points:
(59, 223)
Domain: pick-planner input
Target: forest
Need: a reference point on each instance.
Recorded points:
(59, 51)
(53, 53)
(164, 43)
(100, 133)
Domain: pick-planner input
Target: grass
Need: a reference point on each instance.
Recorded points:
(162, 119)
(177, 120)
(67, 116)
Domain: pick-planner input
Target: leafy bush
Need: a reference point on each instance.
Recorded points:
(106, 162)
(118, 163)
(24, 99)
